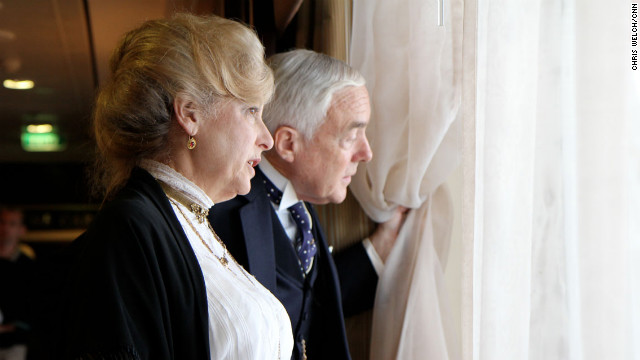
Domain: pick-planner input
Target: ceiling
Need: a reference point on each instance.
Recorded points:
(63, 46)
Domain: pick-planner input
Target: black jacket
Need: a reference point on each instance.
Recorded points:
(132, 286)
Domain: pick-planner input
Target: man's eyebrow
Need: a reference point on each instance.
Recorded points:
(357, 125)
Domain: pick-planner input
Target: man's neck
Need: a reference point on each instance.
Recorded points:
(273, 174)
(277, 163)
(289, 196)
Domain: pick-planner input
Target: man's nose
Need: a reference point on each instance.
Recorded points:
(364, 151)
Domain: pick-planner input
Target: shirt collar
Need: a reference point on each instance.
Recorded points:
(289, 196)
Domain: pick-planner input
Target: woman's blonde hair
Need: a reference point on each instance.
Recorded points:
(205, 58)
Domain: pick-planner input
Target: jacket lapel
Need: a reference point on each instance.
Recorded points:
(255, 217)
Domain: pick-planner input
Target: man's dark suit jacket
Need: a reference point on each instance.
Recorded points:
(255, 237)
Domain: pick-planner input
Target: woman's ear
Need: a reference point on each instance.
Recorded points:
(186, 114)
(287, 142)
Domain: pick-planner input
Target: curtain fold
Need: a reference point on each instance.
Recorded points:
(556, 179)
(412, 67)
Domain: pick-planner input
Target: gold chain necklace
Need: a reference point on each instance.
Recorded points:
(223, 260)
(201, 214)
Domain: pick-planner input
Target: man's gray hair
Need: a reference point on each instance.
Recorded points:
(305, 82)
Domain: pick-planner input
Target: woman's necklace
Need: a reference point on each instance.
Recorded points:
(201, 214)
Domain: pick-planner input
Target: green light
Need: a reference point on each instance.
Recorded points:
(43, 142)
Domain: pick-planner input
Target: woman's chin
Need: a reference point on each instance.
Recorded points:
(240, 193)
(244, 189)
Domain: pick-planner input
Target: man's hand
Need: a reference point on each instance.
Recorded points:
(386, 233)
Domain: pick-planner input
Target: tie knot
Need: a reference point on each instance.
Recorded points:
(299, 214)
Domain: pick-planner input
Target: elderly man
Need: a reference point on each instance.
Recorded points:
(317, 118)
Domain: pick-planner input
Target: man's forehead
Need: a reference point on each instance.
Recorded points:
(353, 97)
(351, 106)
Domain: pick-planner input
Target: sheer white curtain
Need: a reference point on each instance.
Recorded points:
(551, 156)
(413, 72)
(555, 202)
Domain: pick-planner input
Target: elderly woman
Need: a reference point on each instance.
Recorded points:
(179, 128)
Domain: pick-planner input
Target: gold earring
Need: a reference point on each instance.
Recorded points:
(191, 143)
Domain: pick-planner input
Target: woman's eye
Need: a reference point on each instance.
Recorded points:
(253, 110)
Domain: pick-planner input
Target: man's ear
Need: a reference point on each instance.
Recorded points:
(287, 142)
(186, 114)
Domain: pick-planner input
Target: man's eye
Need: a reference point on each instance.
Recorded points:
(349, 140)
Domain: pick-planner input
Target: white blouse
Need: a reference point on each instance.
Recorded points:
(245, 320)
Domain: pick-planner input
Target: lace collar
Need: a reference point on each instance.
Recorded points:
(178, 182)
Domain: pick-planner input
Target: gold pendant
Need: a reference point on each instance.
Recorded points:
(200, 212)
(224, 261)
